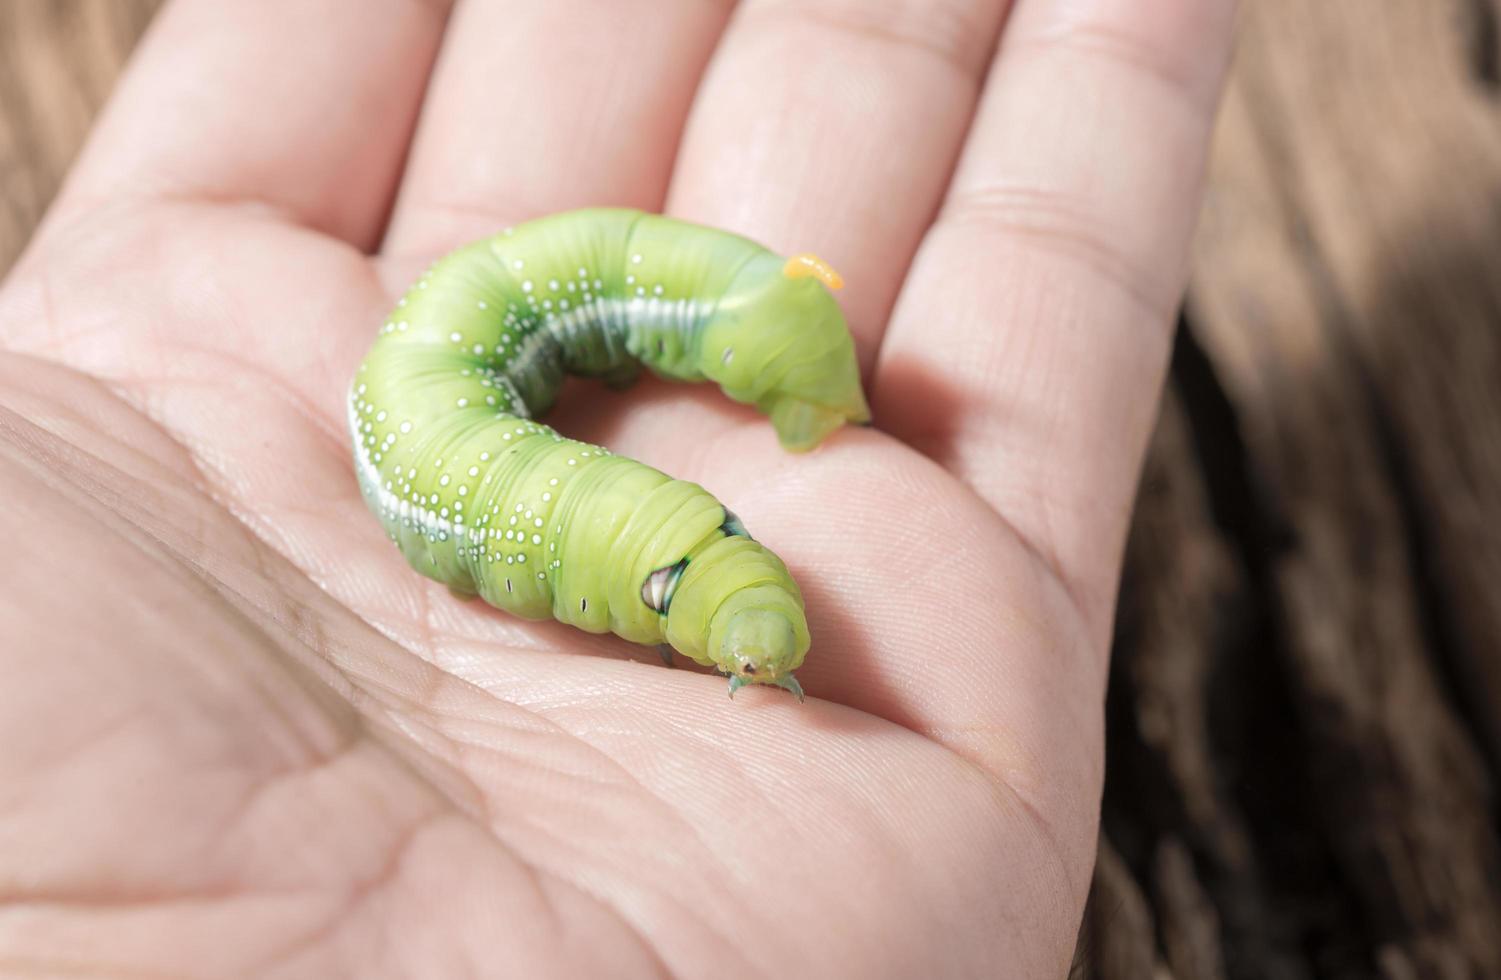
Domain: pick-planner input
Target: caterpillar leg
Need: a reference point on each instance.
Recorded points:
(802, 425)
(622, 376)
(665, 651)
(788, 683)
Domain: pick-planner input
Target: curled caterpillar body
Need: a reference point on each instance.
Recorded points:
(483, 498)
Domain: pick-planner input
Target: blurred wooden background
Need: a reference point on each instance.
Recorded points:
(1305, 712)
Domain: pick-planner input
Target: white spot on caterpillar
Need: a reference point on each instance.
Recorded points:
(474, 471)
(517, 264)
(536, 539)
(636, 259)
(552, 284)
(526, 287)
(729, 352)
(463, 403)
(405, 427)
(483, 305)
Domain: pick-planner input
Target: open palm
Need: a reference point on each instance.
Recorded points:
(239, 736)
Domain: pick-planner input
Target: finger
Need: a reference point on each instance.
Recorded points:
(1028, 348)
(302, 105)
(831, 126)
(544, 105)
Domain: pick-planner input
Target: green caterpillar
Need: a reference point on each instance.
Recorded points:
(479, 496)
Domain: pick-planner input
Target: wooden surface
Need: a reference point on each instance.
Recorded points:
(58, 61)
(1305, 709)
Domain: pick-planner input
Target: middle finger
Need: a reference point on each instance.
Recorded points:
(832, 126)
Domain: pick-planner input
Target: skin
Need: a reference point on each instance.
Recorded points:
(482, 498)
(238, 736)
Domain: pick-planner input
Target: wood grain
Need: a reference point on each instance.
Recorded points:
(1305, 707)
(58, 61)
(1340, 378)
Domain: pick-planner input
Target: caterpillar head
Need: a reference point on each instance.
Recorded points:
(757, 638)
(736, 608)
(779, 341)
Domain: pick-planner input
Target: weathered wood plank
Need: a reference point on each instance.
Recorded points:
(58, 61)
(1118, 938)
(1204, 786)
(1346, 290)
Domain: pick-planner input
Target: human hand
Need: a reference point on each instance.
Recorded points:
(239, 736)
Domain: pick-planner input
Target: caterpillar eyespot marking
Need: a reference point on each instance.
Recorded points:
(481, 349)
(658, 589)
